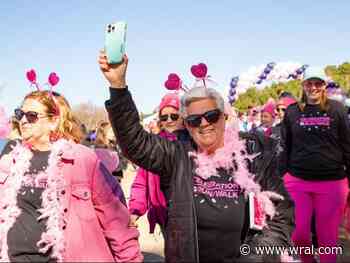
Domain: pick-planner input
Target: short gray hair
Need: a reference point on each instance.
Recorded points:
(201, 93)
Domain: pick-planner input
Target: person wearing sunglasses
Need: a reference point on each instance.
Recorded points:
(281, 107)
(169, 117)
(58, 201)
(316, 154)
(206, 178)
(146, 194)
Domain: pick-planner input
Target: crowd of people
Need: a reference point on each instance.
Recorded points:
(214, 179)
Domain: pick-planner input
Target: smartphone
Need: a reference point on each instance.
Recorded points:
(115, 39)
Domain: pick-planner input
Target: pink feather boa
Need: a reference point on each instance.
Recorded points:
(226, 157)
(51, 209)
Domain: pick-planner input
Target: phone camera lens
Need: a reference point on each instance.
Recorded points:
(109, 30)
(109, 26)
(113, 28)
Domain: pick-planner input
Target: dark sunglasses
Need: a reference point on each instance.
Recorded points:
(281, 109)
(31, 116)
(173, 117)
(211, 117)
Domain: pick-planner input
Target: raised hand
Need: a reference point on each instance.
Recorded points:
(114, 73)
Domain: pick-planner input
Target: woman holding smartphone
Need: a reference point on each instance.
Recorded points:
(316, 152)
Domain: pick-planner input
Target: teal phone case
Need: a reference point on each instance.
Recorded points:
(115, 38)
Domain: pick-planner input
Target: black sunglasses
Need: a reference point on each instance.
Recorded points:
(211, 117)
(281, 109)
(173, 117)
(31, 116)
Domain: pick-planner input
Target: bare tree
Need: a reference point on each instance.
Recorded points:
(90, 114)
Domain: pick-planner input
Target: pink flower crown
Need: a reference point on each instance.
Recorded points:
(199, 71)
(53, 79)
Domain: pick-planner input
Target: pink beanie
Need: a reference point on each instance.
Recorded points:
(286, 101)
(270, 108)
(170, 100)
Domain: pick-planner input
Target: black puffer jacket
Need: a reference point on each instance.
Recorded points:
(170, 160)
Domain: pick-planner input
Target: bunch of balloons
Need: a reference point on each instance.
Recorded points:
(264, 75)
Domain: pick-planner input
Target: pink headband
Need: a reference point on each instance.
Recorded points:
(53, 79)
(199, 71)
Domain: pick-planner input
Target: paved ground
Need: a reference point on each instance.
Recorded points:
(152, 245)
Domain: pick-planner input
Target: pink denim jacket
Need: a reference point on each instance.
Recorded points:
(96, 219)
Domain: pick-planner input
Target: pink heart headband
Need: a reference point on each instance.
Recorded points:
(199, 71)
(175, 83)
(53, 79)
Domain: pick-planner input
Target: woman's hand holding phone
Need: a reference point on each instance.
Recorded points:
(114, 73)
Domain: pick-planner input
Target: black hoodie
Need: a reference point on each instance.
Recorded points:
(316, 143)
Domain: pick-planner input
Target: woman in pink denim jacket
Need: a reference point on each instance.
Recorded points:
(59, 203)
(146, 194)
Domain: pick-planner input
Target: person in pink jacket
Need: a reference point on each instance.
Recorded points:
(58, 201)
(146, 194)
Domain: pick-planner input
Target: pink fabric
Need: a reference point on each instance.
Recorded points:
(286, 101)
(270, 108)
(268, 132)
(109, 158)
(96, 219)
(146, 195)
(347, 215)
(170, 100)
(324, 198)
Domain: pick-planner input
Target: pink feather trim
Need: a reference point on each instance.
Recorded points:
(19, 163)
(226, 157)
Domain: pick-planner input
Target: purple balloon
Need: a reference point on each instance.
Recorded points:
(267, 70)
(231, 99)
(271, 65)
(232, 92)
(263, 76)
(331, 85)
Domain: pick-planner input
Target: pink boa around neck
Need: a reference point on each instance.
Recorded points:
(51, 209)
(233, 157)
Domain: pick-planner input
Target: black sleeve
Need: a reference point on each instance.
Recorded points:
(344, 136)
(280, 227)
(148, 151)
(285, 145)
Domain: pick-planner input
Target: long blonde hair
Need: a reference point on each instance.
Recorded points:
(324, 105)
(57, 105)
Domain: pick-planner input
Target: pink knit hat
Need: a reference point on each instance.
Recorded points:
(270, 108)
(170, 100)
(286, 101)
